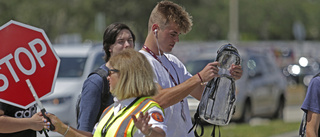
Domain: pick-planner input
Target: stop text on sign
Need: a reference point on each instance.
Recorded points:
(16, 56)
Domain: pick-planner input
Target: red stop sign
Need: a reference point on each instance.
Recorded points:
(25, 53)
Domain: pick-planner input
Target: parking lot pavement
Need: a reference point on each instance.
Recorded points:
(291, 114)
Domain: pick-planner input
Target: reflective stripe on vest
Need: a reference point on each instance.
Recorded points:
(122, 125)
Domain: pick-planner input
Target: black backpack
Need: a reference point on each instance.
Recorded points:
(105, 93)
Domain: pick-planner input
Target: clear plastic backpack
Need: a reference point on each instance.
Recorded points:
(218, 98)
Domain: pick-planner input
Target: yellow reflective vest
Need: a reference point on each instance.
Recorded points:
(122, 125)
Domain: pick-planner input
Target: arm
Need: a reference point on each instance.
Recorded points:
(11, 125)
(192, 86)
(170, 96)
(64, 129)
(90, 101)
(235, 71)
(313, 121)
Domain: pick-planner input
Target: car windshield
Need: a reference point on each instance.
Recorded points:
(196, 66)
(71, 66)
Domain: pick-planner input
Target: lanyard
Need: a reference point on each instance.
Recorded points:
(106, 128)
(153, 55)
(174, 81)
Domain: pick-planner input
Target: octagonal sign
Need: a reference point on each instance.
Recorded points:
(26, 54)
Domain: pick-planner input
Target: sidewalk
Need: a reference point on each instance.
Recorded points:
(289, 134)
(291, 114)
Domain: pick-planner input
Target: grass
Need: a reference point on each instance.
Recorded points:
(265, 129)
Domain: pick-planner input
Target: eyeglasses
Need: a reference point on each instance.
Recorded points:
(111, 71)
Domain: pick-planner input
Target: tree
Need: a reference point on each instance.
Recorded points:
(258, 20)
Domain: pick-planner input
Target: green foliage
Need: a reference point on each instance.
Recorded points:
(258, 20)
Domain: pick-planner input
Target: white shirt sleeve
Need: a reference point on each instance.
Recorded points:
(156, 122)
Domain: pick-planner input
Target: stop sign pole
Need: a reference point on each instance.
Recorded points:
(42, 109)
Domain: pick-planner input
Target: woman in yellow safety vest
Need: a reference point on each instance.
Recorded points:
(134, 113)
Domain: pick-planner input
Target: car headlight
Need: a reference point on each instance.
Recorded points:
(56, 101)
(294, 69)
(303, 61)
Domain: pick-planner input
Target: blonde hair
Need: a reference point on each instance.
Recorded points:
(135, 75)
(166, 12)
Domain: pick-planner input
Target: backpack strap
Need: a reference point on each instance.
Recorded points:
(105, 93)
(103, 74)
(213, 133)
(197, 122)
(302, 128)
(317, 75)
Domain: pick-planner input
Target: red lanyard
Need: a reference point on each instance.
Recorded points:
(174, 81)
(153, 55)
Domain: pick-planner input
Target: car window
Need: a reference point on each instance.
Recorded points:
(268, 65)
(71, 66)
(98, 61)
(196, 66)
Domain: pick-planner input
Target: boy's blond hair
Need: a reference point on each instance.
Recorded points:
(166, 12)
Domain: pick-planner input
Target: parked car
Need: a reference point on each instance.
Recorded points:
(261, 91)
(302, 72)
(77, 61)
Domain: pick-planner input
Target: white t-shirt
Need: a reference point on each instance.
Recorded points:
(176, 126)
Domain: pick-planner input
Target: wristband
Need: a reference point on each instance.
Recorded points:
(202, 83)
(66, 131)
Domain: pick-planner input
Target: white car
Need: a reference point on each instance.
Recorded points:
(260, 92)
(77, 61)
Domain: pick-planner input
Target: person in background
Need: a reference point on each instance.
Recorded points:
(116, 38)
(17, 122)
(311, 106)
(166, 22)
(131, 82)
